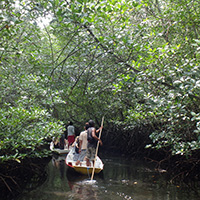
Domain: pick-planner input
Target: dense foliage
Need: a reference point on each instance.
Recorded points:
(137, 62)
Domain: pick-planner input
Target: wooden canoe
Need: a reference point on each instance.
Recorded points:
(82, 168)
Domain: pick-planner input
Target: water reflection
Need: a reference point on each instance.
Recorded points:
(81, 185)
(84, 191)
(59, 163)
(121, 179)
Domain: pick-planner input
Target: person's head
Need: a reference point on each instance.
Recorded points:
(91, 123)
(87, 125)
(70, 123)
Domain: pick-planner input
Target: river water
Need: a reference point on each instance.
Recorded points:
(121, 178)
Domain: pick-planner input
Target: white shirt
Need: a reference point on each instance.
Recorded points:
(70, 130)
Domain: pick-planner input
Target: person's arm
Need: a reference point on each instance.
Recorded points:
(95, 137)
(100, 128)
(74, 143)
(80, 144)
(57, 141)
(80, 141)
(66, 142)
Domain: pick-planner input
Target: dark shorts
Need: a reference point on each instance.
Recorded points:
(90, 153)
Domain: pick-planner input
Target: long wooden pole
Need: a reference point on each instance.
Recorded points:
(97, 149)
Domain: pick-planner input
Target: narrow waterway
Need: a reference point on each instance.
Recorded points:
(121, 179)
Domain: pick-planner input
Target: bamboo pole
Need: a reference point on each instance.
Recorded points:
(97, 149)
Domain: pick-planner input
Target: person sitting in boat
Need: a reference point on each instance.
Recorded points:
(75, 145)
(55, 142)
(82, 144)
(92, 142)
(60, 142)
(63, 142)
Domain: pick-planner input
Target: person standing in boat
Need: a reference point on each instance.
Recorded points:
(83, 144)
(92, 142)
(70, 134)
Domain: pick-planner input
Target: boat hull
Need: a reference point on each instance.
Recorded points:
(58, 151)
(82, 168)
(85, 170)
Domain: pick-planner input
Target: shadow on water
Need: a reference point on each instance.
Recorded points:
(15, 177)
(121, 179)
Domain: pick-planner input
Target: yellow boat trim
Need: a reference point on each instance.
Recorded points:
(85, 171)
